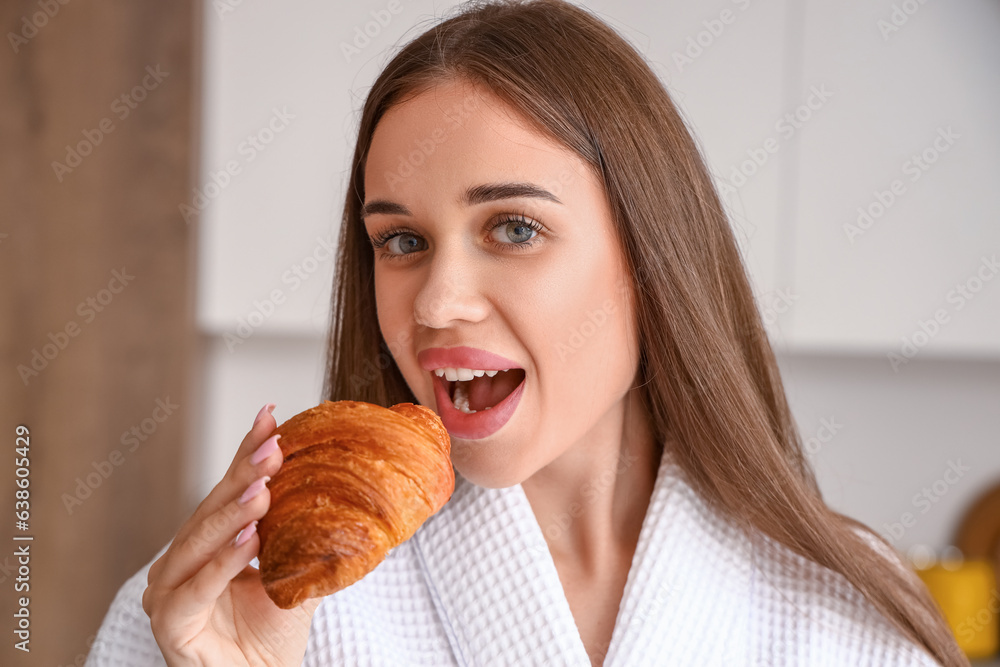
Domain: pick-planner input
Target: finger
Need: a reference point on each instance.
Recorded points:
(201, 591)
(244, 467)
(263, 426)
(266, 460)
(231, 486)
(207, 538)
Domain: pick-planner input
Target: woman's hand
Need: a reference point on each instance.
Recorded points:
(206, 603)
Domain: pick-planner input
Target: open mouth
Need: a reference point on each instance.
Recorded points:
(482, 393)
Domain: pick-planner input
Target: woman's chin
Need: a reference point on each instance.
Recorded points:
(477, 468)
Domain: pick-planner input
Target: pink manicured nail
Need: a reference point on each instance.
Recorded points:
(260, 415)
(246, 533)
(254, 489)
(265, 450)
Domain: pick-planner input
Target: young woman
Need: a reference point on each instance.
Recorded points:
(532, 245)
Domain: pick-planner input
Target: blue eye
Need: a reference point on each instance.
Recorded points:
(409, 242)
(406, 241)
(519, 223)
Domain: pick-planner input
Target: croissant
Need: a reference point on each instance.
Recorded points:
(357, 480)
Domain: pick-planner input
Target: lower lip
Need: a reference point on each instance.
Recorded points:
(480, 424)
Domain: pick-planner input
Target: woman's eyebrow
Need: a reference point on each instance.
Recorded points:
(476, 194)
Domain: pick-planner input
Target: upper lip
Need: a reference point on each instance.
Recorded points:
(463, 357)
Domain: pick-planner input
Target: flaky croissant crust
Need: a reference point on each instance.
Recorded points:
(357, 480)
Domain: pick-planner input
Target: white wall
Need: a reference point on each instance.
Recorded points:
(836, 309)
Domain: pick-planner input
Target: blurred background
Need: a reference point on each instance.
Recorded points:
(172, 177)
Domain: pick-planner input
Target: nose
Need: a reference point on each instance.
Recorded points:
(450, 294)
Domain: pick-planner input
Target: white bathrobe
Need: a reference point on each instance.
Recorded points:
(476, 585)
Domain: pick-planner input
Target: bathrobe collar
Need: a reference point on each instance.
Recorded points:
(498, 592)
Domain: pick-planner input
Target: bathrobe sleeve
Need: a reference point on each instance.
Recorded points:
(125, 638)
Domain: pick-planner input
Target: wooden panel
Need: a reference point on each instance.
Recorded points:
(95, 261)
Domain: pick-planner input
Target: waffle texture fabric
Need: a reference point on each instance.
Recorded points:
(476, 585)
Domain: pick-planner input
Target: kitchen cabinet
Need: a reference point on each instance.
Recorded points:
(896, 217)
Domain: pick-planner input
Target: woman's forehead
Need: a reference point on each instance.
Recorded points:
(448, 138)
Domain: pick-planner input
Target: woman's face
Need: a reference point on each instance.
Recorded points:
(554, 299)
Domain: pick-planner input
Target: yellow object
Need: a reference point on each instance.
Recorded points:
(967, 593)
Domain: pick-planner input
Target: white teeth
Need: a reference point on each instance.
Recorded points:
(462, 399)
(463, 376)
(453, 374)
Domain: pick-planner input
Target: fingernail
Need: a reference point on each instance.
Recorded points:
(254, 489)
(265, 449)
(246, 533)
(260, 415)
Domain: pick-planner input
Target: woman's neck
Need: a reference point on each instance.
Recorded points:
(591, 501)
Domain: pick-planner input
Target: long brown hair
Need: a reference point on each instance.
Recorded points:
(707, 371)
